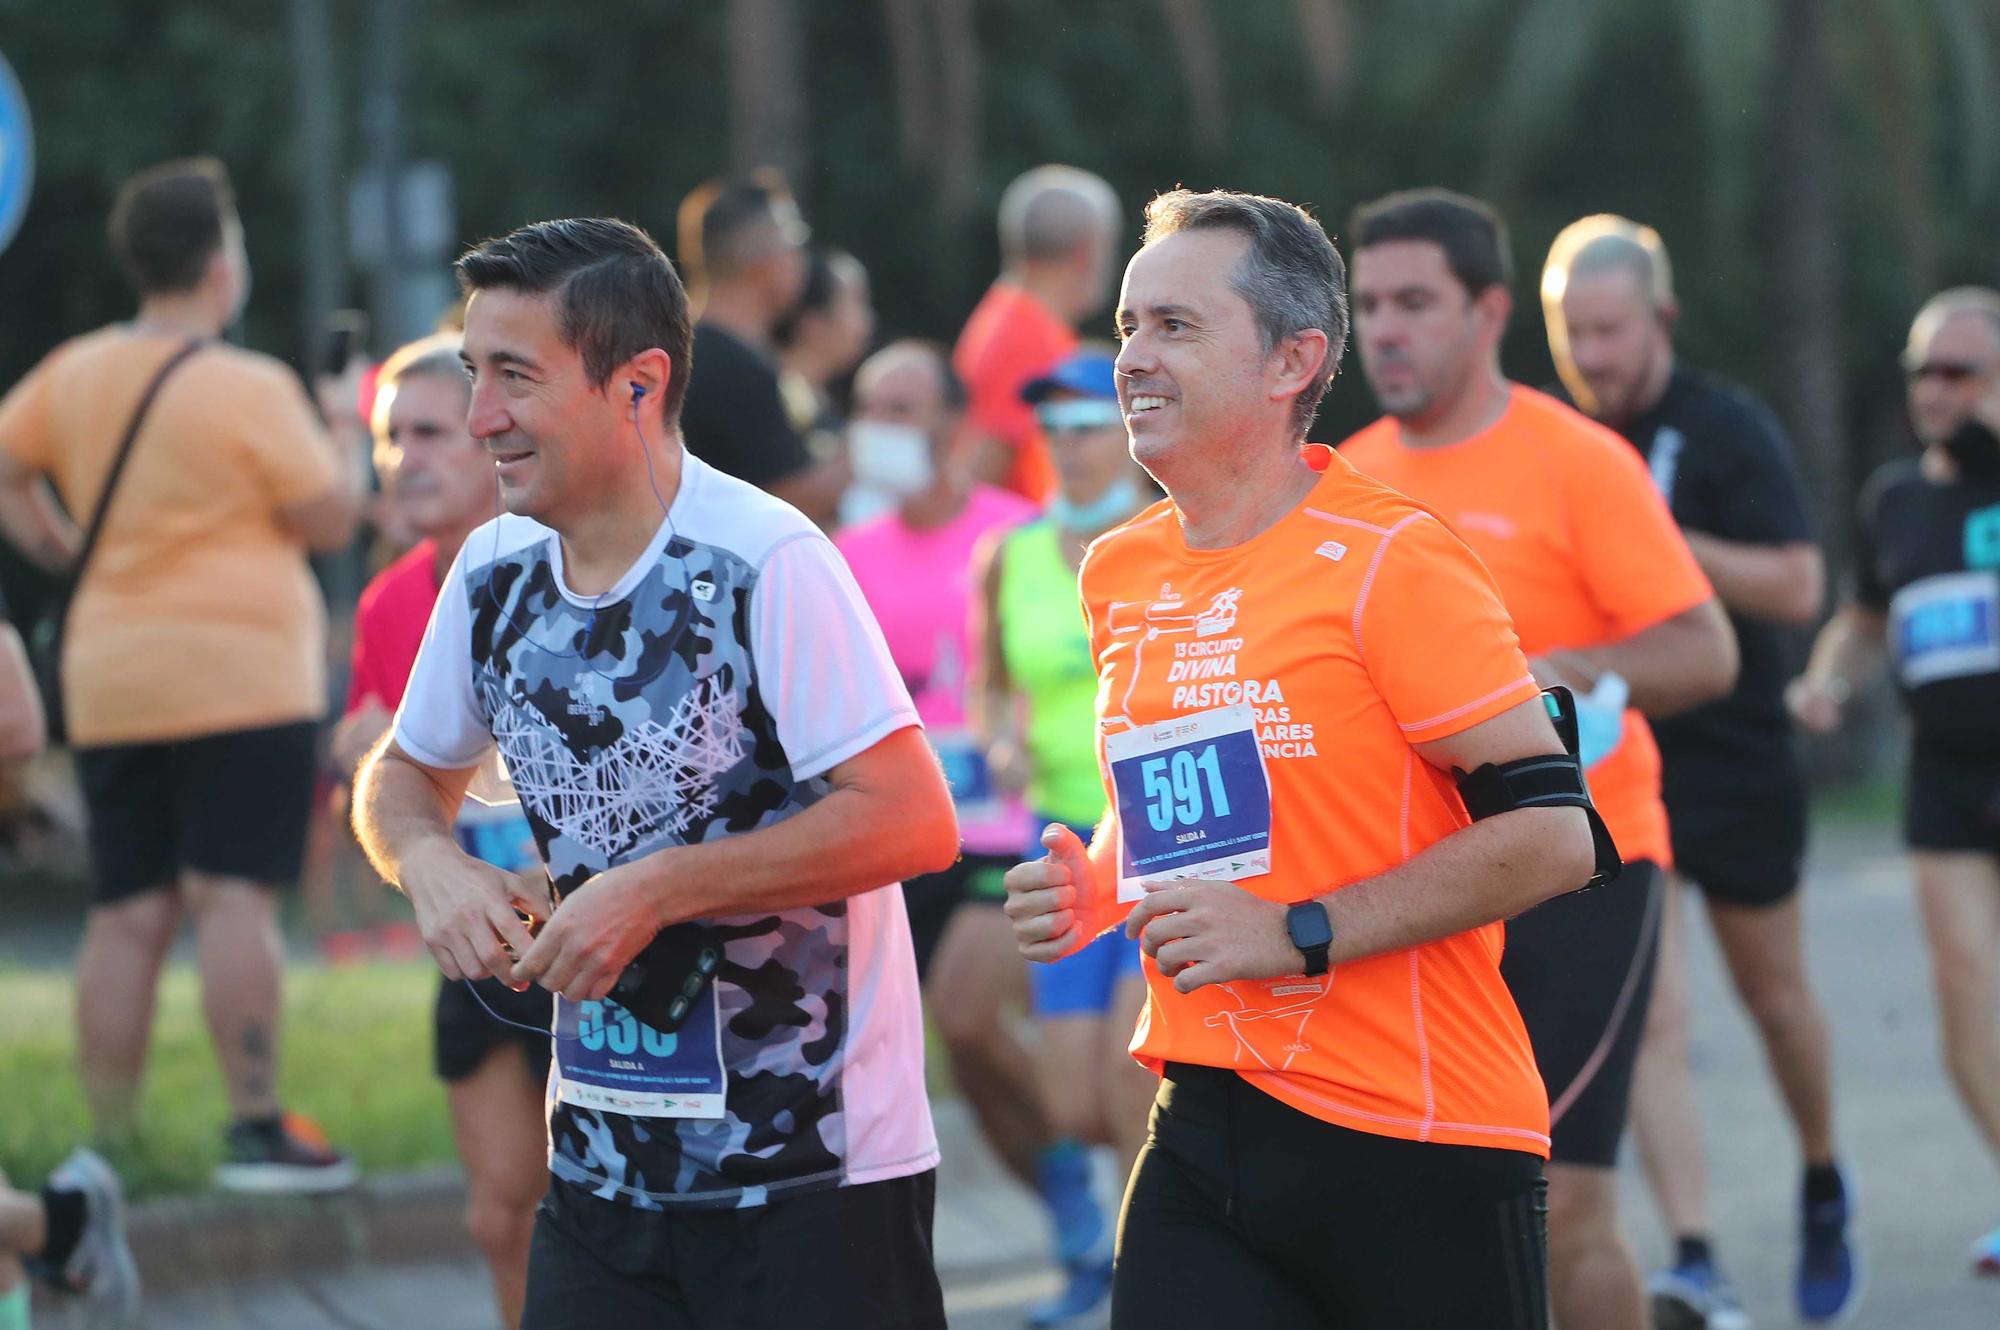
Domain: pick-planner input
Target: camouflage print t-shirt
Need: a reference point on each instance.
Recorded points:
(705, 695)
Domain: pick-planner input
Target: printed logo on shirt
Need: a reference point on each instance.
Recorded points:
(1493, 524)
(1333, 550)
(703, 589)
(1668, 444)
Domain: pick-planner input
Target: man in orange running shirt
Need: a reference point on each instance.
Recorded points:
(1608, 600)
(1295, 665)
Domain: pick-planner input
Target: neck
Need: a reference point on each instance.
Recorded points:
(184, 314)
(1477, 407)
(944, 500)
(1658, 376)
(814, 369)
(734, 309)
(1240, 495)
(602, 541)
(1050, 285)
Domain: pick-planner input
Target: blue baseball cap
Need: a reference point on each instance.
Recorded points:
(1086, 373)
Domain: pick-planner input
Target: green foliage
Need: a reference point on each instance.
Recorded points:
(1565, 107)
(356, 1056)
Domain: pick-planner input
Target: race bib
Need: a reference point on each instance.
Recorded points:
(1946, 627)
(1192, 798)
(606, 1059)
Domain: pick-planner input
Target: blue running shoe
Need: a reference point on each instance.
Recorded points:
(1829, 1283)
(1986, 1254)
(1695, 1295)
(1062, 1176)
(1088, 1288)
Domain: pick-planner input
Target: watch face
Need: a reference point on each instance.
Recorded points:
(1309, 925)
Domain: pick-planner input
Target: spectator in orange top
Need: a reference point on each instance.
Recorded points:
(1058, 232)
(194, 658)
(1608, 600)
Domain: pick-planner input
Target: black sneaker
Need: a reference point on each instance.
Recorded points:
(282, 1155)
(100, 1267)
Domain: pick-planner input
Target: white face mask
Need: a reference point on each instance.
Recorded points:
(892, 459)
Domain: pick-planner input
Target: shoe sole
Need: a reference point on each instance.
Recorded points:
(1854, 1300)
(112, 1300)
(286, 1179)
(1673, 1312)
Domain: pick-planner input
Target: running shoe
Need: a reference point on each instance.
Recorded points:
(1829, 1282)
(100, 1268)
(1087, 1290)
(1082, 1233)
(1695, 1295)
(286, 1154)
(1986, 1254)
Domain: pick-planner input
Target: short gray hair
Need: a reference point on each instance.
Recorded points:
(1047, 212)
(1607, 242)
(1981, 300)
(1292, 276)
(433, 357)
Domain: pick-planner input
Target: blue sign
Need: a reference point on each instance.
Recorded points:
(17, 155)
(607, 1059)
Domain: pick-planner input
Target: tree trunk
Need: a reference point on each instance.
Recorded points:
(1807, 276)
(958, 164)
(1191, 28)
(767, 97)
(916, 91)
(1327, 38)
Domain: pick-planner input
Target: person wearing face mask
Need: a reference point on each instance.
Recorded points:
(1926, 601)
(1034, 695)
(1732, 773)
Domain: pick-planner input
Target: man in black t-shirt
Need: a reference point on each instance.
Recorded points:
(743, 246)
(1731, 771)
(1926, 601)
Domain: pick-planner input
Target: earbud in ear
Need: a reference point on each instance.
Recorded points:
(638, 391)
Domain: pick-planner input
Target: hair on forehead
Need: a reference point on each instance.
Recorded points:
(1981, 301)
(1290, 275)
(433, 357)
(934, 356)
(1604, 243)
(1047, 212)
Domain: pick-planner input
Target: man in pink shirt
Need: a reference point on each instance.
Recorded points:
(494, 1072)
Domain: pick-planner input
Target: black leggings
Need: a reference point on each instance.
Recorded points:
(1244, 1211)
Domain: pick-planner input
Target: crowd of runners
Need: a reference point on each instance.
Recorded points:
(1299, 832)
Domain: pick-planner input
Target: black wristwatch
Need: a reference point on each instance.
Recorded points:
(1311, 931)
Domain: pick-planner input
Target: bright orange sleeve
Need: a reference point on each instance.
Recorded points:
(1634, 560)
(1434, 635)
(276, 425)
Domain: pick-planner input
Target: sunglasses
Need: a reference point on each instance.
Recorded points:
(1945, 371)
(1076, 417)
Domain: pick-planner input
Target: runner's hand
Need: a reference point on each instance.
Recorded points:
(1041, 896)
(1201, 932)
(591, 937)
(465, 911)
(1815, 706)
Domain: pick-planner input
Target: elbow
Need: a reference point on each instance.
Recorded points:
(1713, 665)
(938, 843)
(1567, 857)
(21, 741)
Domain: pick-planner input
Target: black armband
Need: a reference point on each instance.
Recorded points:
(1552, 780)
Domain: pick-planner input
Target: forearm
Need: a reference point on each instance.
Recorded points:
(1781, 583)
(1494, 869)
(1672, 666)
(1849, 652)
(853, 840)
(33, 524)
(400, 813)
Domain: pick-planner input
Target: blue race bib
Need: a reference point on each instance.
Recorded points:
(607, 1059)
(1946, 627)
(1193, 800)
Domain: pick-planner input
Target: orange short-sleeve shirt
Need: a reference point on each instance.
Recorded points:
(1356, 627)
(1011, 339)
(199, 613)
(1582, 547)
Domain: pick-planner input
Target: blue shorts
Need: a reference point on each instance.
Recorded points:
(1081, 984)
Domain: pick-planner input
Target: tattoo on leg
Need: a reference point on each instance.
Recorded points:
(256, 1044)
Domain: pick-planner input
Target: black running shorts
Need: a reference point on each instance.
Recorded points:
(467, 1032)
(1244, 1211)
(932, 899)
(1739, 847)
(1952, 802)
(837, 1259)
(1581, 971)
(233, 804)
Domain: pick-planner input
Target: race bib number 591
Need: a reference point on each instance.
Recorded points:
(1193, 800)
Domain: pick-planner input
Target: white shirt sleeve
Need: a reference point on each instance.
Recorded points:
(823, 668)
(439, 722)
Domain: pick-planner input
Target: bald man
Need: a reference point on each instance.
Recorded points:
(1058, 229)
(1731, 770)
(1926, 601)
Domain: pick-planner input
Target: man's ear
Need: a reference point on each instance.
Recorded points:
(1300, 358)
